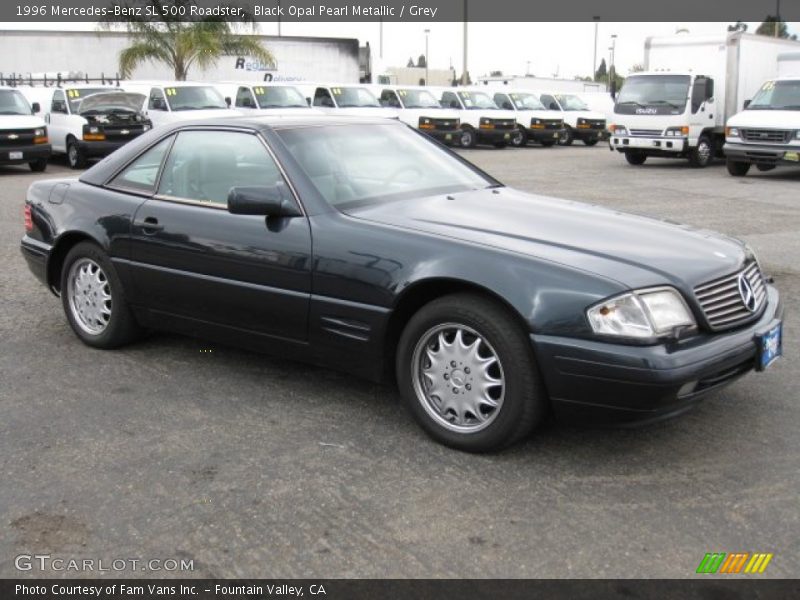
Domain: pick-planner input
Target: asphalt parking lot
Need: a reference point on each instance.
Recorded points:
(255, 466)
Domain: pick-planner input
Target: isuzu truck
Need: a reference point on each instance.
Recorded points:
(678, 106)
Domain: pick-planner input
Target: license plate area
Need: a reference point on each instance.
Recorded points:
(770, 346)
(15, 156)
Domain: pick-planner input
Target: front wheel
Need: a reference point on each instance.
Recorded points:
(38, 165)
(500, 144)
(737, 168)
(75, 156)
(93, 299)
(700, 156)
(467, 373)
(635, 157)
(590, 141)
(519, 138)
(567, 137)
(468, 138)
(547, 143)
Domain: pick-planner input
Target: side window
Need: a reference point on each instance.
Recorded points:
(142, 173)
(322, 97)
(203, 166)
(550, 102)
(244, 98)
(503, 101)
(59, 104)
(389, 98)
(449, 100)
(156, 101)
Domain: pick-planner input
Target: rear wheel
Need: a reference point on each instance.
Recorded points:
(38, 165)
(737, 168)
(700, 156)
(467, 373)
(75, 157)
(635, 157)
(567, 137)
(93, 299)
(519, 138)
(468, 138)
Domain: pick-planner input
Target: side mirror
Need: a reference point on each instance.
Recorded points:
(35, 108)
(747, 103)
(59, 106)
(268, 201)
(228, 101)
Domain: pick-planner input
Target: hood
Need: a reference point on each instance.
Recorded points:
(659, 122)
(286, 111)
(633, 250)
(107, 102)
(367, 111)
(211, 113)
(495, 114)
(550, 115)
(586, 114)
(20, 122)
(432, 113)
(777, 119)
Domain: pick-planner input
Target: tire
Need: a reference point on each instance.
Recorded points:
(634, 157)
(764, 167)
(520, 138)
(700, 156)
(737, 168)
(591, 141)
(548, 143)
(468, 138)
(521, 402)
(93, 299)
(38, 165)
(500, 144)
(567, 138)
(75, 158)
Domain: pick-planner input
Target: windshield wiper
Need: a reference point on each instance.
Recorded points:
(789, 107)
(634, 102)
(667, 102)
(11, 112)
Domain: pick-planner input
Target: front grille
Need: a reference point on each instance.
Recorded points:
(444, 124)
(119, 133)
(773, 136)
(552, 123)
(503, 123)
(723, 301)
(16, 137)
(646, 132)
(597, 124)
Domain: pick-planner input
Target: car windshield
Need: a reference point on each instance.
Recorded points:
(655, 90)
(526, 101)
(349, 97)
(279, 97)
(477, 101)
(76, 95)
(111, 102)
(777, 95)
(355, 165)
(194, 97)
(13, 103)
(571, 102)
(418, 99)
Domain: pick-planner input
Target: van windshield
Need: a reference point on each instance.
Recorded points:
(526, 101)
(13, 103)
(194, 97)
(668, 92)
(76, 95)
(477, 101)
(777, 95)
(354, 97)
(279, 97)
(418, 99)
(571, 102)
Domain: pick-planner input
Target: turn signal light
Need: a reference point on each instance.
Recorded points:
(427, 126)
(94, 137)
(28, 218)
(40, 140)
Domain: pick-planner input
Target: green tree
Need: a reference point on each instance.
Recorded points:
(421, 62)
(602, 72)
(183, 44)
(769, 26)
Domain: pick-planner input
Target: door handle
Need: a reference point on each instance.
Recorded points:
(149, 225)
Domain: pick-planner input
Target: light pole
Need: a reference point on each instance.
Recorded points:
(594, 56)
(466, 17)
(612, 71)
(427, 32)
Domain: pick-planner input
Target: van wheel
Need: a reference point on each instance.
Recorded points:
(700, 156)
(38, 165)
(635, 157)
(468, 138)
(500, 144)
(547, 143)
(590, 141)
(75, 157)
(567, 137)
(519, 138)
(737, 168)
(467, 373)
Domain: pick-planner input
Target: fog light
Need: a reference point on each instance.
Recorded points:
(687, 388)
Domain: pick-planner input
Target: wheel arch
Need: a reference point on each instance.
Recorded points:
(55, 262)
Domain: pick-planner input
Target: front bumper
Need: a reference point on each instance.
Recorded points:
(493, 136)
(101, 149)
(656, 146)
(589, 133)
(30, 152)
(446, 136)
(764, 154)
(545, 135)
(616, 383)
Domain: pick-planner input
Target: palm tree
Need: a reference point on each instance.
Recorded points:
(183, 44)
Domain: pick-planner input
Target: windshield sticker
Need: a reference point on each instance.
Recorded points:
(171, 91)
(74, 93)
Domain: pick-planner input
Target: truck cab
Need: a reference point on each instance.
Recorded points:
(482, 121)
(345, 99)
(173, 101)
(421, 110)
(535, 123)
(265, 98)
(767, 132)
(23, 135)
(88, 121)
(580, 122)
(666, 114)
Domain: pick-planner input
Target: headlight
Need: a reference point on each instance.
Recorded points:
(797, 135)
(732, 132)
(677, 131)
(38, 132)
(581, 121)
(145, 127)
(486, 123)
(641, 314)
(619, 129)
(94, 130)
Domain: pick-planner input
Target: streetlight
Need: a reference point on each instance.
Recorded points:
(427, 32)
(612, 72)
(594, 57)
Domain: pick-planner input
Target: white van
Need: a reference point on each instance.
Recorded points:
(346, 99)
(249, 97)
(482, 121)
(534, 122)
(23, 136)
(88, 121)
(580, 123)
(172, 101)
(420, 109)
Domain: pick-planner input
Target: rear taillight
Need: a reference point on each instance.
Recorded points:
(28, 218)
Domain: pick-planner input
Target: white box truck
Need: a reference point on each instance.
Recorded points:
(677, 107)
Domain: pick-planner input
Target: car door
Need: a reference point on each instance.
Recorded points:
(193, 260)
(58, 121)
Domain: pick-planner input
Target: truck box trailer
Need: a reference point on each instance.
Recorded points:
(677, 107)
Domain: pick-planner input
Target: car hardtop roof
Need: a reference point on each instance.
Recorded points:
(166, 83)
